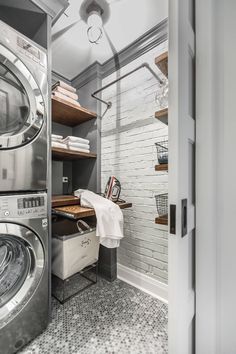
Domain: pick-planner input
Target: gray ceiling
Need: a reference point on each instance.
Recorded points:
(129, 19)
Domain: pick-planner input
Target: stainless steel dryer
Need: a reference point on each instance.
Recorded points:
(24, 278)
(23, 113)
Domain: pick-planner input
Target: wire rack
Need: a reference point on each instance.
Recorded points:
(162, 151)
(162, 204)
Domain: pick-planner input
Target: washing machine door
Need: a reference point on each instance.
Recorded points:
(22, 112)
(22, 264)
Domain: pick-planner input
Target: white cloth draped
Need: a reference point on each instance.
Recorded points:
(110, 220)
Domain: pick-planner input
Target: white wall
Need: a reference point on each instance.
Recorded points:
(129, 132)
(216, 177)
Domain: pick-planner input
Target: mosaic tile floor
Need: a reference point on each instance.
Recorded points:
(107, 318)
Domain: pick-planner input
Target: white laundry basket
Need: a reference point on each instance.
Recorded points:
(72, 253)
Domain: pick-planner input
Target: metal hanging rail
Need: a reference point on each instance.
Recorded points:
(109, 104)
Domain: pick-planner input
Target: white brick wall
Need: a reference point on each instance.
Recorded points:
(129, 132)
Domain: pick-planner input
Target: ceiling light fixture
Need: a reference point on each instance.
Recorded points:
(94, 31)
(95, 13)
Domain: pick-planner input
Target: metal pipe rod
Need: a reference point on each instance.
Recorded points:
(144, 65)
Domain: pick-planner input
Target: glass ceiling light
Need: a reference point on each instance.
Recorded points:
(94, 23)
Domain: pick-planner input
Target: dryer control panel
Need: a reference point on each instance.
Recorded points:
(18, 43)
(25, 205)
(31, 51)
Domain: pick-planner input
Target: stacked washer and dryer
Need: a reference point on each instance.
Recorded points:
(24, 154)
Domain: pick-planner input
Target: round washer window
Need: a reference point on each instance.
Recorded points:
(22, 105)
(14, 103)
(14, 266)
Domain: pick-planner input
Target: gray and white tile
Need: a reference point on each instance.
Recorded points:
(107, 318)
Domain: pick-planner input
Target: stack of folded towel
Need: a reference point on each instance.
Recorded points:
(57, 141)
(77, 144)
(68, 93)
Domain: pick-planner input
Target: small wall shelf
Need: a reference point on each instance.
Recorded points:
(69, 114)
(66, 154)
(162, 167)
(162, 220)
(162, 63)
(162, 115)
(78, 212)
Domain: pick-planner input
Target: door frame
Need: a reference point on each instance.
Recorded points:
(215, 177)
(205, 182)
(182, 123)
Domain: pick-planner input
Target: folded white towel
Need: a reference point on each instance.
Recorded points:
(64, 85)
(59, 145)
(78, 145)
(54, 136)
(65, 92)
(110, 220)
(78, 149)
(66, 98)
(76, 139)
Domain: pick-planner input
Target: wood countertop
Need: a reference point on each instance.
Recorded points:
(76, 211)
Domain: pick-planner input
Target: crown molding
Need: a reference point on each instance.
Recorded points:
(92, 72)
(56, 77)
(142, 45)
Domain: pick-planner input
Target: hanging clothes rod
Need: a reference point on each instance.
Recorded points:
(109, 104)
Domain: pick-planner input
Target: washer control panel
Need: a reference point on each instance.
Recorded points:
(20, 206)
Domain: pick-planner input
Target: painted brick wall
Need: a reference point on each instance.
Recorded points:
(129, 132)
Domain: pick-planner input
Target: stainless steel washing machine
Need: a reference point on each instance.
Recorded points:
(24, 278)
(23, 113)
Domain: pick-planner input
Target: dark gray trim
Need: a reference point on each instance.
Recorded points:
(92, 72)
(56, 77)
(107, 263)
(142, 45)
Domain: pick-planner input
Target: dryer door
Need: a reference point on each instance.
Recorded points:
(22, 112)
(22, 264)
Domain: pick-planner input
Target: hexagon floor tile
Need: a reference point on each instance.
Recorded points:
(107, 318)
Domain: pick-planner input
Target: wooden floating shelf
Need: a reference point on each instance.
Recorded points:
(62, 200)
(162, 167)
(70, 114)
(162, 63)
(66, 154)
(162, 115)
(162, 220)
(77, 212)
